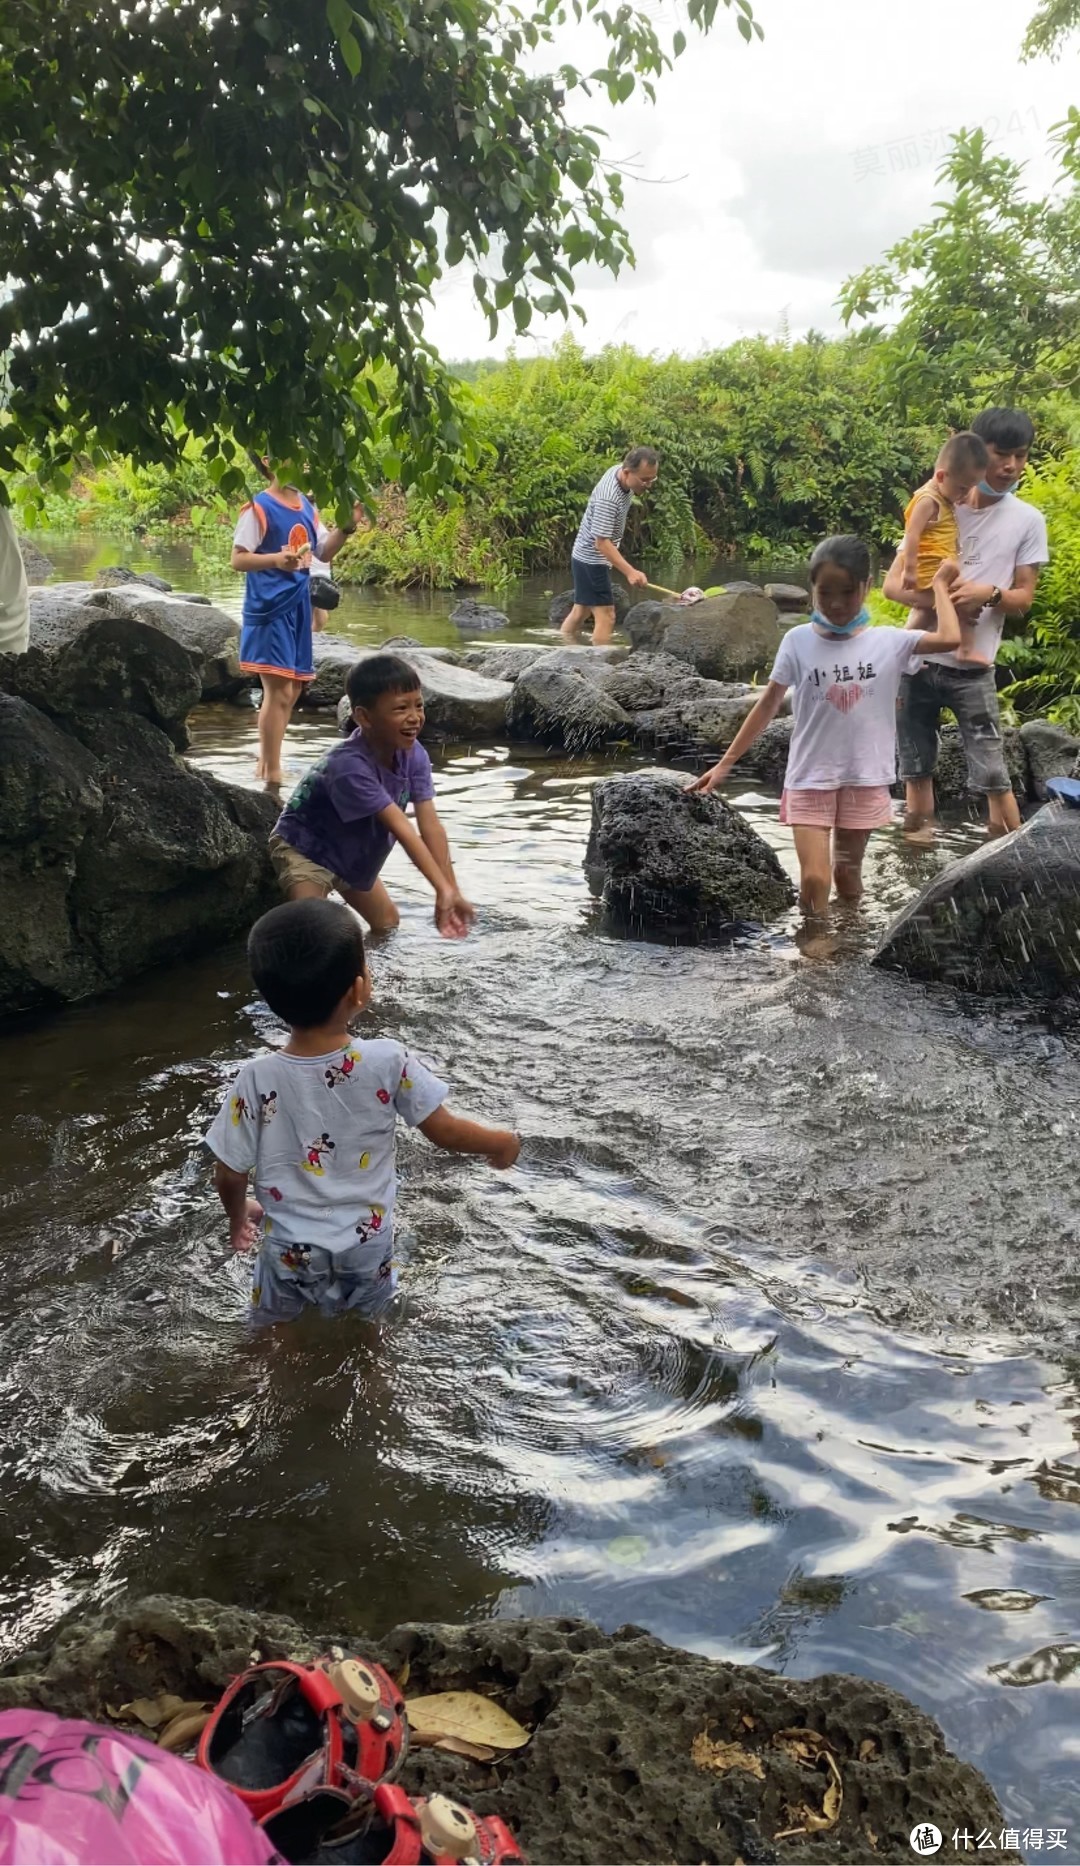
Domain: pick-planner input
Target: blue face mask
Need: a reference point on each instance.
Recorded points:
(989, 493)
(840, 634)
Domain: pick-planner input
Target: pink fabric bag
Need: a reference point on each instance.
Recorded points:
(78, 1793)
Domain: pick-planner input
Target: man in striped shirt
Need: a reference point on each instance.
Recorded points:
(596, 548)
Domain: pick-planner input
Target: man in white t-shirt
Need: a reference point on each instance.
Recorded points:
(14, 597)
(1002, 548)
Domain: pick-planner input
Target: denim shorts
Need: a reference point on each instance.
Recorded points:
(592, 585)
(289, 1278)
(970, 693)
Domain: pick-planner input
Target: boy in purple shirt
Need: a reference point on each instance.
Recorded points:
(347, 812)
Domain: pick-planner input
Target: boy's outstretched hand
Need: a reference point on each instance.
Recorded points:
(454, 915)
(505, 1150)
(246, 1234)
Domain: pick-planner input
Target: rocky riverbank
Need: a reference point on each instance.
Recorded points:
(638, 1751)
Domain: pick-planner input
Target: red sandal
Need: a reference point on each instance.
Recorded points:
(393, 1829)
(285, 1730)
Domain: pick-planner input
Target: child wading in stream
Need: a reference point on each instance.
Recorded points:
(845, 679)
(314, 1123)
(345, 815)
(275, 538)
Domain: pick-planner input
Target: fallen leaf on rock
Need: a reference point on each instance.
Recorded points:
(868, 1748)
(466, 1715)
(401, 1678)
(804, 1745)
(722, 1757)
(152, 1712)
(457, 1746)
(748, 1722)
(185, 1728)
(811, 1822)
(871, 1837)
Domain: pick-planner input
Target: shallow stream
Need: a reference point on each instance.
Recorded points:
(767, 1344)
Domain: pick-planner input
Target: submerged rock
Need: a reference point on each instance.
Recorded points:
(638, 1751)
(482, 618)
(767, 759)
(646, 624)
(1004, 920)
(559, 702)
(114, 855)
(668, 862)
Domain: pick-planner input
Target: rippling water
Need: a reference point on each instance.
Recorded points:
(766, 1344)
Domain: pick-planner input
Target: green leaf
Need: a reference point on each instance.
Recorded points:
(391, 466)
(522, 313)
(351, 53)
(341, 17)
(679, 44)
(510, 197)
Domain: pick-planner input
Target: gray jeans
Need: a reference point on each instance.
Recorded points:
(289, 1278)
(971, 695)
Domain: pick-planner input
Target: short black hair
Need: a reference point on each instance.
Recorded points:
(1004, 428)
(964, 451)
(639, 457)
(378, 674)
(847, 552)
(303, 957)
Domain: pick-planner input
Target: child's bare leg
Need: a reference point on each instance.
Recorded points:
(280, 694)
(812, 846)
(603, 625)
(305, 891)
(571, 628)
(919, 807)
(375, 906)
(319, 619)
(849, 848)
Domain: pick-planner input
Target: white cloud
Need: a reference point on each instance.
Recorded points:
(776, 169)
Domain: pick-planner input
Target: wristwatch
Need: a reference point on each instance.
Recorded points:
(995, 596)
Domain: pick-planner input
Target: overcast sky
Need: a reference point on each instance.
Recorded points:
(770, 172)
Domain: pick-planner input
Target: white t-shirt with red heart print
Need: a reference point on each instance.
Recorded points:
(843, 700)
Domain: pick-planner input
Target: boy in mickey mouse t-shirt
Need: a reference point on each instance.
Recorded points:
(314, 1124)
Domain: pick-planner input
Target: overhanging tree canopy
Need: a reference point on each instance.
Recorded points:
(223, 218)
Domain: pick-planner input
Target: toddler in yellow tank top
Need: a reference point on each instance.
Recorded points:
(930, 530)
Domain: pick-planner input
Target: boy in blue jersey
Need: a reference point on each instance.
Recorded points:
(275, 538)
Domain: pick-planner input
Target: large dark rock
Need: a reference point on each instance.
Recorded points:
(646, 624)
(115, 575)
(1051, 752)
(615, 1768)
(504, 663)
(114, 855)
(84, 659)
(1004, 920)
(37, 566)
(788, 597)
(208, 634)
(560, 703)
(725, 637)
(480, 618)
(560, 606)
(671, 863)
(766, 761)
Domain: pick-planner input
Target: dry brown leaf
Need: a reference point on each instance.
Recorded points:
(401, 1678)
(153, 1712)
(871, 1837)
(748, 1722)
(719, 1758)
(185, 1728)
(457, 1746)
(467, 1715)
(805, 1745)
(867, 1748)
(811, 1821)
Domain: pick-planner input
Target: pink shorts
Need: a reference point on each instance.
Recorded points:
(853, 806)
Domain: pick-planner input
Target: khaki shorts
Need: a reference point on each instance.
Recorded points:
(290, 867)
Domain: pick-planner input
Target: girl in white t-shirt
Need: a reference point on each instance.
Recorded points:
(845, 679)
